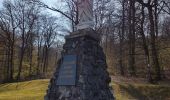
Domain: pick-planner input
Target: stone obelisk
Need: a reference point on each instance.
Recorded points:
(81, 73)
(85, 9)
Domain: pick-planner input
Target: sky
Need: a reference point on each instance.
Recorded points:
(63, 22)
(1, 3)
(50, 3)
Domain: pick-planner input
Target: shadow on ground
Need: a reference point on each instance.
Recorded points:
(142, 92)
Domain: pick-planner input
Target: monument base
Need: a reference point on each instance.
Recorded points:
(92, 79)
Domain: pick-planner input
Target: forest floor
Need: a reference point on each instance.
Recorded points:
(126, 88)
(131, 89)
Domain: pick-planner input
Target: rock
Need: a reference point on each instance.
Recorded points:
(92, 82)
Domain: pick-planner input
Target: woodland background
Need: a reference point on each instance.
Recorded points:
(135, 36)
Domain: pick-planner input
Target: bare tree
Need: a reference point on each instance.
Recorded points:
(71, 4)
(155, 60)
(27, 19)
(49, 36)
(145, 46)
(131, 36)
(9, 24)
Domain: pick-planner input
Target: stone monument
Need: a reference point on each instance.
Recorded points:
(85, 9)
(82, 70)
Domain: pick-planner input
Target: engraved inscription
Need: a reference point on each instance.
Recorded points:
(67, 71)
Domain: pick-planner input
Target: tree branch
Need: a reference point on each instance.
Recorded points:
(41, 4)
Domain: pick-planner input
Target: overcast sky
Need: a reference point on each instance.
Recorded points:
(48, 2)
(1, 3)
(56, 4)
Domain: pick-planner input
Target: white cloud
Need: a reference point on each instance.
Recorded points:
(1, 3)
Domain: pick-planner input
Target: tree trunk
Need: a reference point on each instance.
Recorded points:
(8, 64)
(42, 60)
(155, 59)
(156, 17)
(45, 60)
(146, 50)
(12, 55)
(131, 19)
(38, 58)
(30, 60)
(20, 62)
(121, 38)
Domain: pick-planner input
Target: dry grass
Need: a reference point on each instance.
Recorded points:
(36, 89)
(31, 90)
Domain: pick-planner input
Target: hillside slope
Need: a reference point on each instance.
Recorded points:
(31, 90)
(36, 89)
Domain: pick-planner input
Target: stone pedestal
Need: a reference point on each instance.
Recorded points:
(92, 78)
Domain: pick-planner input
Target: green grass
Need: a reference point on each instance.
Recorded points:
(36, 89)
(141, 92)
(31, 90)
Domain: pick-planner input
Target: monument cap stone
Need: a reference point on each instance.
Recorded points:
(85, 9)
(88, 32)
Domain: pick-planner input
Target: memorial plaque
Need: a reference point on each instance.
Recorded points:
(67, 71)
